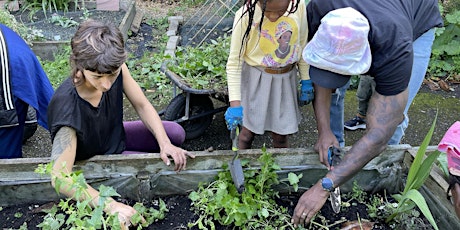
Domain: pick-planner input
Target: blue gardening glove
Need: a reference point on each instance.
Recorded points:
(306, 92)
(234, 117)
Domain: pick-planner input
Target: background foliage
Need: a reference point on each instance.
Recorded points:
(203, 67)
(48, 5)
(6, 18)
(445, 58)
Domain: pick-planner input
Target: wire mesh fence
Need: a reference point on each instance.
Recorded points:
(213, 19)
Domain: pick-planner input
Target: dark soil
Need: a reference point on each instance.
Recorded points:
(180, 215)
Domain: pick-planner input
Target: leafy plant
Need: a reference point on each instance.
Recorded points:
(48, 5)
(374, 202)
(255, 208)
(374, 206)
(203, 67)
(63, 21)
(159, 28)
(27, 34)
(445, 55)
(23, 226)
(378, 207)
(146, 71)
(450, 5)
(357, 193)
(76, 213)
(354, 82)
(85, 15)
(418, 173)
(67, 22)
(58, 69)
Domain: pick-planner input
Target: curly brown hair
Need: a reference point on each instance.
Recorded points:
(98, 47)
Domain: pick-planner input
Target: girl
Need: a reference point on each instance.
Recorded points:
(262, 70)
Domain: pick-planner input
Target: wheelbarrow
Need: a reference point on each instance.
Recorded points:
(193, 108)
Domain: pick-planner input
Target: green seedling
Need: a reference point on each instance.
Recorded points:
(255, 208)
(77, 213)
(418, 173)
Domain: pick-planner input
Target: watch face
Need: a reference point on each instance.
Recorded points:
(327, 184)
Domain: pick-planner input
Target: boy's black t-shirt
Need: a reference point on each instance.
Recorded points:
(99, 130)
(394, 25)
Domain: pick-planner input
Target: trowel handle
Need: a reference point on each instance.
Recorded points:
(334, 155)
(234, 136)
(329, 155)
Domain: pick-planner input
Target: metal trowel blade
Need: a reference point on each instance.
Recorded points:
(336, 200)
(236, 170)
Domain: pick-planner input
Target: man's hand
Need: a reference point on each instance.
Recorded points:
(234, 117)
(325, 140)
(309, 204)
(307, 93)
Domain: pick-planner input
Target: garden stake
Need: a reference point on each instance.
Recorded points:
(236, 170)
(334, 156)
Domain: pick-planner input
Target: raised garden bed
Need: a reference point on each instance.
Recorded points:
(58, 34)
(145, 177)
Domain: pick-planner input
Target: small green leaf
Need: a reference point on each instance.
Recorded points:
(264, 212)
(194, 196)
(106, 191)
(419, 200)
(293, 178)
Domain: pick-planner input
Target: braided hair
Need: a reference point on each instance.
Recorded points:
(250, 10)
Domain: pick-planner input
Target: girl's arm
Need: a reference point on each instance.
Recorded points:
(152, 121)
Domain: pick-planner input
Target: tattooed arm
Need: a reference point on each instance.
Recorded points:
(383, 116)
(63, 155)
(385, 113)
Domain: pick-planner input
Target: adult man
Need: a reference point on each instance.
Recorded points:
(377, 38)
(23, 84)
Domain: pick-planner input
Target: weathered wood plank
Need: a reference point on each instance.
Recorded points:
(142, 176)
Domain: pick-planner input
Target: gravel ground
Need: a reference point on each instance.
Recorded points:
(216, 136)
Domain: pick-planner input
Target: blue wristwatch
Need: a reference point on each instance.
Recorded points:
(327, 184)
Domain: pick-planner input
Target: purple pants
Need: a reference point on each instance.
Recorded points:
(140, 140)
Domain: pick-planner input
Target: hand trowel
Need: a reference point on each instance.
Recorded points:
(236, 170)
(334, 156)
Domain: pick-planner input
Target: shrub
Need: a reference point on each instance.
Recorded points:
(6, 18)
